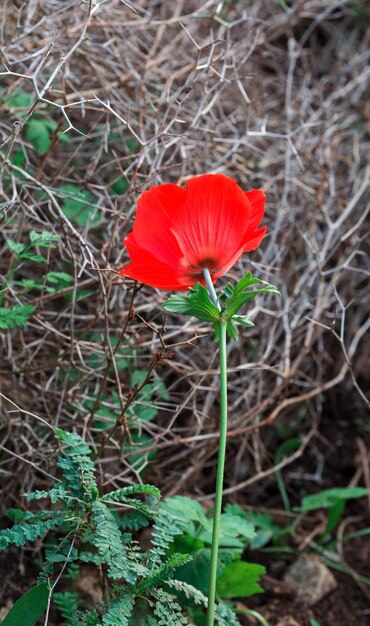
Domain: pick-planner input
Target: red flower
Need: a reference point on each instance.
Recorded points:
(178, 232)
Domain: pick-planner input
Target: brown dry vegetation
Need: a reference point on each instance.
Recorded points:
(153, 92)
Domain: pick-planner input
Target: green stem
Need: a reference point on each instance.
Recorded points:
(220, 476)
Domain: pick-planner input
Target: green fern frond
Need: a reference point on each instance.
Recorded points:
(124, 497)
(87, 618)
(125, 492)
(66, 603)
(108, 541)
(19, 534)
(57, 493)
(119, 612)
(160, 575)
(37, 495)
(165, 529)
(133, 502)
(133, 520)
(77, 466)
(225, 616)
(168, 610)
(190, 592)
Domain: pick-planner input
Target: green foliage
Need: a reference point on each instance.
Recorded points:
(52, 282)
(16, 316)
(40, 128)
(32, 527)
(236, 532)
(78, 469)
(168, 610)
(232, 298)
(67, 604)
(290, 445)
(109, 542)
(224, 616)
(119, 612)
(39, 131)
(329, 497)
(138, 585)
(167, 526)
(29, 608)
(197, 303)
(240, 579)
(78, 205)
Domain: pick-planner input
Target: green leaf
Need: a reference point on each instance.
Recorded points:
(245, 282)
(15, 247)
(334, 515)
(15, 317)
(38, 133)
(243, 320)
(233, 526)
(329, 497)
(197, 571)
(18, 158)
(126, 492)
(236, 302)
(59, 278)
(32, 256)
(29, 608)
(240, 579)
(20, 100)
(232, 330)
(120, 186)
(28, 284)
(78, 205)
(188, 509)
(64, 137)
(290, 445)
(45, 239)
(197, 303)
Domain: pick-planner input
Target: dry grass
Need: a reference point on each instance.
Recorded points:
(151, 92)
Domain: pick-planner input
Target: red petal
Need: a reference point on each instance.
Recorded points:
(253, 240)
(213, 220)
(151, 230)
(147, 269)
(155, 274)
(257, 199)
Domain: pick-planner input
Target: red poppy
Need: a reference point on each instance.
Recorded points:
(178, 232)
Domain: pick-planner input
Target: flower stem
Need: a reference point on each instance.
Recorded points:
(220, 476)
(210, 287)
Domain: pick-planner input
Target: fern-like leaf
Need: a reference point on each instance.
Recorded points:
(77, 466)
(19, 534)
(133, 520)
(66, 603)
(165, 529)
(161, 575)
(109, 542)
(168, 610)
(119, 612)
(190, 592)
(225, 616)
(126, 492)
